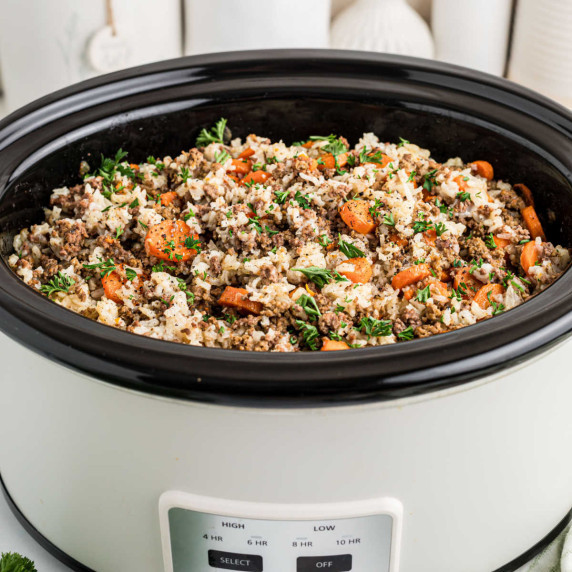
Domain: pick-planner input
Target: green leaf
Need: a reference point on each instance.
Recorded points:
(14, 562)
(213, 135)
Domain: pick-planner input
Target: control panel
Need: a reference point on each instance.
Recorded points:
(202, 534)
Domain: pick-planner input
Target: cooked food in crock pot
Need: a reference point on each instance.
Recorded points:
(258, 245)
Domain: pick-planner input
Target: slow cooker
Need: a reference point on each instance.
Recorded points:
(446, 454)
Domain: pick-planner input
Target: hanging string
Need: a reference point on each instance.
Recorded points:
(110, 20)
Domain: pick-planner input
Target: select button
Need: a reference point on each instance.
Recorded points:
(232, 561)
(341, 563)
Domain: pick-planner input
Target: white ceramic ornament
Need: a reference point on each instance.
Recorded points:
(382, 26)
(107, 52)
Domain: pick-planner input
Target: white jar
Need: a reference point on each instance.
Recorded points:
(46, 45)
(472, 33)
(541, 53)
(227, 25)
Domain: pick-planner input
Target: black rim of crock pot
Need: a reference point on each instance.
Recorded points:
(73, 564)
(272, 379)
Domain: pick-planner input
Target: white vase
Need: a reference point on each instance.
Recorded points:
(46, 45)
(382, 26)
(472, 33)
(228, 25)
(541, 53)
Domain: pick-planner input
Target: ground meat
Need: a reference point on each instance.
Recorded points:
(69, 236)
(329, 322)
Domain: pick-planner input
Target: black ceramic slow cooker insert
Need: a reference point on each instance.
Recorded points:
(159, 109)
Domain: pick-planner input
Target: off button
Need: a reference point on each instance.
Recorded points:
(232, 561)
(341, 563)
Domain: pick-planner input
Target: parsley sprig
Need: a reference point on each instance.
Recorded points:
(59, 283)
(350, 250)
(373, 327)
(309, 334)
(213, 135)
(106, 267)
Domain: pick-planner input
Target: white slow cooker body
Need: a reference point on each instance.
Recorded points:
(481, 470)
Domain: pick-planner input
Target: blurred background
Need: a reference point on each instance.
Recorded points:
(46, 45)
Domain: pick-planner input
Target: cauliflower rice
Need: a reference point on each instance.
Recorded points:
(264, 246)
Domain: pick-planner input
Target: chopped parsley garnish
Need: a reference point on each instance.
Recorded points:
(302, 200)
(319, 276)
(388, 219)
(309, 305)
(142, 224)
(496, 306)
(490, 241)
(440, 228)
(281, 196)
(406, 334)
(349, 249)
(221, 156)
(118, 233)
(309, 334)
(421, 226)
(423, 294)
(324, 240)
(372, 327)
(185, 174)
(59, 283)
(134, 204)
(155, 162)
(213, 135)
(189, 215)
(106, 267)
(131, 274)
(364, 157)
(463, 196)
(374, 210)
(402, 142)
(429, 180)
(411, 176)
(194, 243)
(161, 267)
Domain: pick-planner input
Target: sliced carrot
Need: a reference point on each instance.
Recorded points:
(308, 144)
(467, 282)
(533, 223)
(408, 293)
(439, 288)
(246, 153)
(461, 183)
(385, 160)
(362, 271)
(329, 162)
(401, 242)
(484, 169)
(113, 281)
(168, 197)
(237, 298)
(312, 163)
(166, 240)
(333, 345)
(501, 242)
(526, 193)
(357, 216)
(529, 255)
(241, 166)
(233, 177)
(410, 276)
(111, 284)
(256, 177)
(482, 296)
(430, 236)
(134, 166)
